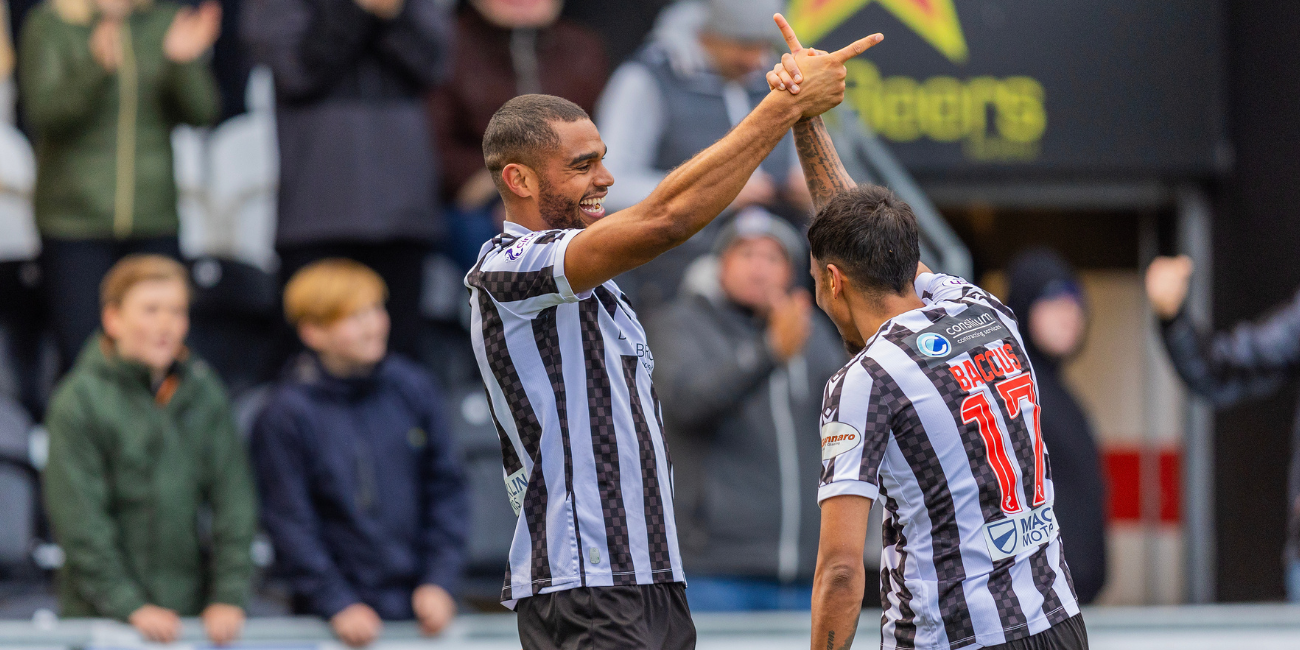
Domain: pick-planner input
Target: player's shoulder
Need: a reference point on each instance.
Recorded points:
(517, 248)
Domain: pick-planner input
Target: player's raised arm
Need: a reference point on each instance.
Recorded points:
(702, 187)
(822, 167)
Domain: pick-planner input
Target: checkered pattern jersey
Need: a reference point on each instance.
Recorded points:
(931, 469)
(568, 379)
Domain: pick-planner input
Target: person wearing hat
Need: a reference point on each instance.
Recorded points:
(1048, 301)
(740, 363)
(699, 75)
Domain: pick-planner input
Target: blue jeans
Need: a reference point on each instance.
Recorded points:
(722, 594)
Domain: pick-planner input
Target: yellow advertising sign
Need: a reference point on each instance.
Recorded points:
(993, 119)
(934, 20)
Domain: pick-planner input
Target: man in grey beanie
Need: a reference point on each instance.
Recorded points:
(700, 74)
(741, 396)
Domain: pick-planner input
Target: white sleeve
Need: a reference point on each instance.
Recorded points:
(528, 276)
(855, 431)
(630, 117)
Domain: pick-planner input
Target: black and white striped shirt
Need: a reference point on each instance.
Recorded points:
(568, 381)
(938, 419)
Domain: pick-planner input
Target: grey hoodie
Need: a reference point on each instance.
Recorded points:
(744, 434)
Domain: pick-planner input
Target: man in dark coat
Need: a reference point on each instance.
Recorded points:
(1048, 302)
(363, 493)
(358, 177)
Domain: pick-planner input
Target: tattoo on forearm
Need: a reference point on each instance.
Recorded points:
(821, 163)
(830, 641)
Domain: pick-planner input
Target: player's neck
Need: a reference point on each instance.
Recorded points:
(525, 214)
(869, 314)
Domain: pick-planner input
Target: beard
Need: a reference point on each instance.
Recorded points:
(558, 212)
(852, 348)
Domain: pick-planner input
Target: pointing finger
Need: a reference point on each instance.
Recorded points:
(857, 47)
(787, 33)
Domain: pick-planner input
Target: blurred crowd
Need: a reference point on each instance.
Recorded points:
(216, 439)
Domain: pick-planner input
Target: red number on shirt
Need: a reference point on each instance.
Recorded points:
(977, 409)
(1016, 392)
(1019, 396)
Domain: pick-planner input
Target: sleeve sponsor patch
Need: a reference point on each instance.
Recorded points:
(837, 438)
(953, 335)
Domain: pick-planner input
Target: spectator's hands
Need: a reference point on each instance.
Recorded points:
(106, 44)
(434, 608)
(815, 77)
(223, 622)
(357, 625)
(758, 190)
(386, 9)
(789, 323)
(477, 192)
(156, 624)
(192, 32)
(1167, 281)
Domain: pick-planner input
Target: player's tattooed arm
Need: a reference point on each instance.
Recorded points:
(821, 164)
(840, 578)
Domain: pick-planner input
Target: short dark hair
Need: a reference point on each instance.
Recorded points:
(872, 235)
(520, 131)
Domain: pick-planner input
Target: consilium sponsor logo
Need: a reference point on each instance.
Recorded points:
(838, 438)
(933, 345)
(516, 486)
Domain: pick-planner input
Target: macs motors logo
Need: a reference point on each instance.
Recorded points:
(838, 438)
(933, 345)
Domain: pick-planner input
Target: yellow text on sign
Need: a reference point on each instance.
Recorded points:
(994, 119)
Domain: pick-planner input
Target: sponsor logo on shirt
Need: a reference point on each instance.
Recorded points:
(933, 345)
(1021, 532)
(953, 335)
(838, 438)
(516, 486)
(517, 249)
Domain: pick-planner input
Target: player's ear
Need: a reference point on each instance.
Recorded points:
(521, 180)
(838, 280)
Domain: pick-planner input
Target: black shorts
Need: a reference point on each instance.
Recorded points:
(1066, 635)
(635, 617)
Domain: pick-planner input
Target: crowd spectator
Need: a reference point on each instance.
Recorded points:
(1048, 301)
(1251, 360)
(701, 73)
(362, 490)
(741, 398)
(103, 83)
(358, 177)
(142, 443)
(507, 48)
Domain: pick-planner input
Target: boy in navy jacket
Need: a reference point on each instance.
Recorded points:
(362, 489)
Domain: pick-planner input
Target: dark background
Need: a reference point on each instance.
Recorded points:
(1131, 86)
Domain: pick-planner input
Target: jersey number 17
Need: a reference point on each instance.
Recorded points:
(1021, 399)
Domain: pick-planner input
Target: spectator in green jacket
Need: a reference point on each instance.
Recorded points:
(143, 447)
(103, 84)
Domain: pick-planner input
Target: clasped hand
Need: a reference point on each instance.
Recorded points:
(815, 75)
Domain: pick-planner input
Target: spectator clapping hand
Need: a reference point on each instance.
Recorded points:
(789, 323)
(386, 9)
(156, 624)
(1167, 281)
(357, 625)
(192, 32)
(434, 608)
(223, 622)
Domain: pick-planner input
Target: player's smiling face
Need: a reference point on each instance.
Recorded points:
(575, 181)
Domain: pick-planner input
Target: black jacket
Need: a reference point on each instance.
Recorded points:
(1252, 360)
(744, 434)
(362, 489)
(355, 156)
(1073, 459)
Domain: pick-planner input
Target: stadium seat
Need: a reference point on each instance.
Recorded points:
(492, 522)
